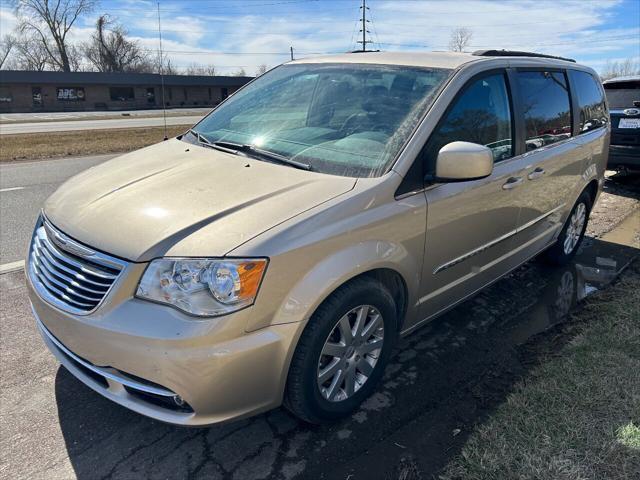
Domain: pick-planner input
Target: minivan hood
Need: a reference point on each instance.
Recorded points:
(178, 199)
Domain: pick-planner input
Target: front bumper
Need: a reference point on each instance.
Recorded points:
(141, 355)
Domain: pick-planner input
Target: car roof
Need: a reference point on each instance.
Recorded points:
(450, 60)
(409, 59)
(626, 78)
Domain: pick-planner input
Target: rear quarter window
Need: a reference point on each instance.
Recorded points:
(593, 110)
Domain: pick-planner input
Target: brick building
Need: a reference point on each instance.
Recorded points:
(26, 91)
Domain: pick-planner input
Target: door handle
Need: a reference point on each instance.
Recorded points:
(537, 173)
(513, 182)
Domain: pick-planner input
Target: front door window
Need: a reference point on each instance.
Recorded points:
(481, 115)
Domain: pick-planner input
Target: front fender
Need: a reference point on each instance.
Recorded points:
(340, 267)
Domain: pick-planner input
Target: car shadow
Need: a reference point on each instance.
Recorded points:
(444, 378)
(624, 185)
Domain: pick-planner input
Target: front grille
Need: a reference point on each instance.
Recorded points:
(68, 274)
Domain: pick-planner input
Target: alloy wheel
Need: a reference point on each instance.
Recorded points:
(574, 229)
(350, 353)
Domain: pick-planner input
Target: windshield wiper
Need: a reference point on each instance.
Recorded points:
(201, 138)
(259, 152)
(232, 147)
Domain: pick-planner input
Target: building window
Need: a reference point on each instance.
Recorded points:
(5, 95)
(70, 94)
(186, 96)
(151, 96)
(121, 94)
(36, 96)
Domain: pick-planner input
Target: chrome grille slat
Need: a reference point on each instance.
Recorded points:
(53, 289)
(64, 287)
(59, 266)
(54, 271)
(67, 259)
(67, 274)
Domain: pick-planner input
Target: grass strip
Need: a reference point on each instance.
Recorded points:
(576, 416)
(32, 146)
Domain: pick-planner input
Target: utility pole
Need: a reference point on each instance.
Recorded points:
(364, 30)
(291, 48)
(164, 105)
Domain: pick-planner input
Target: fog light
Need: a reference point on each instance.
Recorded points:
(177, 399)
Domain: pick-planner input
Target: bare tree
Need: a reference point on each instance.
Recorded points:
(198, 69)
(239, 73)
(620, 69)
(30, 54)
(261, 69)
(6, 46)
(109, 50)
(168, 68)
(50, 22)
(460, 38)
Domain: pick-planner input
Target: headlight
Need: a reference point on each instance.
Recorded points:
(201, 286)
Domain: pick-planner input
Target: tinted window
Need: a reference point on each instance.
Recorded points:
(480, 115)
(121, 94)
(545, 99)
(623, 94)
(593, 112)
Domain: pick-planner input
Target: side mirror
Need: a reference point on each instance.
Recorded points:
(463, 161)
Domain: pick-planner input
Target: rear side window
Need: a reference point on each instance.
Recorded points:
(481, 114)
(547, 109)
(593, 111)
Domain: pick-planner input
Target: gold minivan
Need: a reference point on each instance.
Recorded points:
(275, 252)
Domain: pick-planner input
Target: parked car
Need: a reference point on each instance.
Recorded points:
(275, 252)
(623, 95)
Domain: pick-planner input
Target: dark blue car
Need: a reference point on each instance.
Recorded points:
(623, 95)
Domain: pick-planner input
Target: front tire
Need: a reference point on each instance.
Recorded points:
(342, 352)
(572, 233)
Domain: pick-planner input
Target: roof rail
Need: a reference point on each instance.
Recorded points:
(515, 53)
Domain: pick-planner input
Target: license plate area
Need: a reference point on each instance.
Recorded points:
(629, 123)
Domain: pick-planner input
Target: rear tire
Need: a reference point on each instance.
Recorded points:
(332, 371)
(570, 238)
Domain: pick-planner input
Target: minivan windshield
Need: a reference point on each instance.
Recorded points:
(341, 119)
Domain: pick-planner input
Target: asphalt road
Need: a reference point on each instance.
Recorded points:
(67, 126)
(442, 380)
(24, 186)
(35, 116)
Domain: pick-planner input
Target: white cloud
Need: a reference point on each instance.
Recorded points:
(193, 32)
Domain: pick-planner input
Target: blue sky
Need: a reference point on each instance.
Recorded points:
(234, 34)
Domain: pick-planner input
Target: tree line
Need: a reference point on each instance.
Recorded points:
(41, 42)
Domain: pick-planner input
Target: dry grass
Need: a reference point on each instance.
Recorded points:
(31, 146)
(577, 415)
